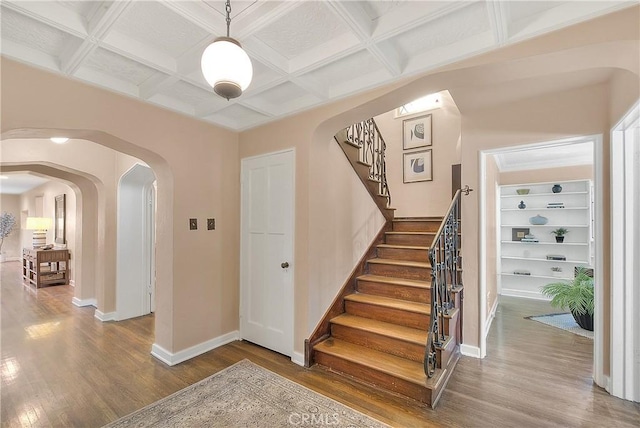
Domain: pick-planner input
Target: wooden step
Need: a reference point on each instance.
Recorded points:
(401, 312)
(417, 224)
(399, 269)
(395, 288)
(390, 372)
(394, 339)
(422, 239)
(403, 252)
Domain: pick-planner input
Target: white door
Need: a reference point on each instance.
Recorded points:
(266, 253)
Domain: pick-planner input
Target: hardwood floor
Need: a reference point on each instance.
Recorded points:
(62, 367)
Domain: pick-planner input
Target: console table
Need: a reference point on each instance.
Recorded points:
(45, 267)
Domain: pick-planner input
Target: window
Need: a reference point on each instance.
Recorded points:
(428, 102)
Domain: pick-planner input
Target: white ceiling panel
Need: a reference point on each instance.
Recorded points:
(352, 69)
(156, 25)
(34, 34)
(303, 28)
(305, 53)
(236, 115)
(118, 66)
(460, 25)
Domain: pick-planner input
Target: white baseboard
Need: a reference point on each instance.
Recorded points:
(522, 293)
(490, 318)
(72, 282)
(172, 359)
(84, 302)
(298, 358)
(109, 316)
(470, 351)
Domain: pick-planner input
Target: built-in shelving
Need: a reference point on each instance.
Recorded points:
(517, 256)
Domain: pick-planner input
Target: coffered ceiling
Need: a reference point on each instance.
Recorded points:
(304, 53)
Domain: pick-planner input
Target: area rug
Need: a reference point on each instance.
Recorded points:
(563, 321)
(245, 395)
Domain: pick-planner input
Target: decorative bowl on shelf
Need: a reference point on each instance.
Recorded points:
(522, 191)
(538, 220)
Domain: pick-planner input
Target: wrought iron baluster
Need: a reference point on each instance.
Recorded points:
(366, 136)
(443, 255)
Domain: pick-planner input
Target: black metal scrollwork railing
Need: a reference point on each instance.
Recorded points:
(443, 255)
(367, 137)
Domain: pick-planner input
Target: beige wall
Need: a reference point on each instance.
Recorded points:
(576, 81)
(12, 245)
(197, 170)
(425, 198)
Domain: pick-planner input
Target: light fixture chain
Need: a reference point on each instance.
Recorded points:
(228, 8)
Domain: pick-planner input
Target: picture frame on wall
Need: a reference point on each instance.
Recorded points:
(60, 219)
(416, 132)
(418, 166)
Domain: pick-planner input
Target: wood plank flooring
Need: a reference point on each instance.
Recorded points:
(62, 367)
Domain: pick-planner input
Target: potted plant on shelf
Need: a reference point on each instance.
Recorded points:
(577, 296)
(560, 232)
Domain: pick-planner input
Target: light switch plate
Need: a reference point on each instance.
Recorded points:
(193, 224)
(211, 224)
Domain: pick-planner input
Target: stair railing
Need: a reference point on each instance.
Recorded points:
(443, 255)
(367, 137)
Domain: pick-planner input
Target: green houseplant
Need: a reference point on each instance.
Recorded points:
(560, 232)
(577, 296)
(7, 221)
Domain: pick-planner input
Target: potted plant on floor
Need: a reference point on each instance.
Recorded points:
(560, 232)
(577, 296)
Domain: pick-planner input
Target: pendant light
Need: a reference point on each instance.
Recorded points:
(225, 65)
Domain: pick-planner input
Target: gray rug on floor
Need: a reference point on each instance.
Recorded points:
(563, 321)
(245, 395)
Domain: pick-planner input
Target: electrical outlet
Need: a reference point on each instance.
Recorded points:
(193, 224)
(211, 224)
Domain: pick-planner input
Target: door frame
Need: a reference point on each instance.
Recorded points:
(290, 315)
(598, 186)
(624, 379)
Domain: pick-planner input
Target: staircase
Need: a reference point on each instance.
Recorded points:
(381, 335)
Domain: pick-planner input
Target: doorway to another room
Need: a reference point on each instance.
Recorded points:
(532, 194)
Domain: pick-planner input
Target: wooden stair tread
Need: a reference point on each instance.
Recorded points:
(409, 219)
(395, 262)
(407, 370)
(396, 331)
(403, 247)
(395, 281)
(387, 302)
(410, 233)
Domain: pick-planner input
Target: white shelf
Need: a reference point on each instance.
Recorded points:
(544, 194)
(545, 209)
(546, 225)
(536, 276)
(534, 259)
(576, 216)
(580, 244)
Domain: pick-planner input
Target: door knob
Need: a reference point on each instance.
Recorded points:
(284, 265)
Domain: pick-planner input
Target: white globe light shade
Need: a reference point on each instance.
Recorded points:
(224, 61)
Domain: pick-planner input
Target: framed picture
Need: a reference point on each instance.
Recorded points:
(517, 233)
(416, 132)
(418, 166)
(60, 226)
